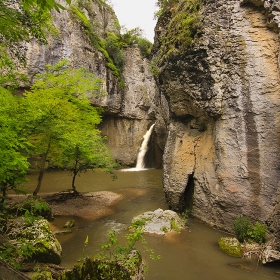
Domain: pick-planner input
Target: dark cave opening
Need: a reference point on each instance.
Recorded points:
(188, 194)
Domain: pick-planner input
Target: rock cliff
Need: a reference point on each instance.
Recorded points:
(130, 106)
(222, 85)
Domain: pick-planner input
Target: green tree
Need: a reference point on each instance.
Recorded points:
(135, 36)
(57, 101)
(13, 145)
(86, 150)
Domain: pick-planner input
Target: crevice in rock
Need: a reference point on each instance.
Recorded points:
(188, 194)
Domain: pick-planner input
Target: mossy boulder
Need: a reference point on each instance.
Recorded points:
(36, 241)
(231, 246)
(95, 269)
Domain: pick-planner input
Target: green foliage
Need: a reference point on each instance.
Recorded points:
(42, 275)
(60, 115)
(13, 145)
(127, 255)
(145, 47)
(35, 206)
(112, 45)
(174, 226)
(134, 36)
(164, 229)
(242, 226)
(113, 54)
(81, 16)
(246, 231)
(114, 49)
(258, 233)
(138, 224)
(29, 218)
(183, 26)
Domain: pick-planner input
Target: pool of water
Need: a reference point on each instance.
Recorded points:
(192, 254)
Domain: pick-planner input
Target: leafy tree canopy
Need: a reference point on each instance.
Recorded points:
(13, 145)
(62, 122)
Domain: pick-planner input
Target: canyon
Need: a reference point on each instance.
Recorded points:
(214, 102)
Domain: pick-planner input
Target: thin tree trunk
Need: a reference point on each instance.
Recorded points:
(40, 178)
(42, 169)
(4, 189)
(75, 170)
(73, 181)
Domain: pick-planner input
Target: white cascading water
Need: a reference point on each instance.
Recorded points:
(140, 164)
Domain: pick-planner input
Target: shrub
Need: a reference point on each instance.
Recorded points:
(246, 231)
(241, 227)
(145, 47)
(259, 231)
(113, 47)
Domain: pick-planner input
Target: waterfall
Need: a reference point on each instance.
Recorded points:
(140, 164)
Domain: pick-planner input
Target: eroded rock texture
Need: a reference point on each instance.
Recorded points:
(222, 153)
(128, 110)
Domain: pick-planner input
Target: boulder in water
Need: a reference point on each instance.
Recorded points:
(159, 221)
(231, 246)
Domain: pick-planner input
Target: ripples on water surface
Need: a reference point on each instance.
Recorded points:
(193, 254)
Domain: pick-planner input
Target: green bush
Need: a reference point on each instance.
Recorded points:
(245, 231)
(114, 49)
(258, 233)
(241, 227)
(145, 47)
(185, 18)
(34, 205)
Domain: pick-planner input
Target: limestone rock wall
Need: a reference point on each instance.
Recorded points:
(128, 110)
(222, 152)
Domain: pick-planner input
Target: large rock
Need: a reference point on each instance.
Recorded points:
(95, 269)
(222, 154)
(36, 237)
(159, 222)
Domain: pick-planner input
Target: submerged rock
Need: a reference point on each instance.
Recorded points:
(69, 224)
(159, 221)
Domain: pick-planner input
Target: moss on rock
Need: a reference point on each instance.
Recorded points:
(36, 241)
(95, 269)
(231, 246)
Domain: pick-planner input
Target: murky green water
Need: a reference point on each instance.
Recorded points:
(193, 254)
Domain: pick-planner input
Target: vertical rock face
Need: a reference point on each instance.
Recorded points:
(128, 110)
(222, 153)
(139, 110)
